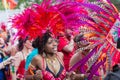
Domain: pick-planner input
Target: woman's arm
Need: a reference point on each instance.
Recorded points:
(30, 74)
(75, 58)
(70, 46)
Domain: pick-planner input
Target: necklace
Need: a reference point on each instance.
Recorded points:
(51, 62)
(54, 64)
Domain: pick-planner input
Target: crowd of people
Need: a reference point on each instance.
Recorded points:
(45, 58)
(62, 55)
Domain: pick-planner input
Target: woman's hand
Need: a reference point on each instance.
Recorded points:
(9, 60)
(78, 76)
(69, 74)
(38, 75)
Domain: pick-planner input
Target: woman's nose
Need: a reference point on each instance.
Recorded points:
(55, 43)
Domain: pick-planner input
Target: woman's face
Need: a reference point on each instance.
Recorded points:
(69, 32)
(28, 44)
(51, 45)
(80, 45)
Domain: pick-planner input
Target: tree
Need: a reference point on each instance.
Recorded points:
(115, 2)
(1, 6)
(27, 3)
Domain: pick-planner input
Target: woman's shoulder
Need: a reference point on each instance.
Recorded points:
(37, 57)
(37, 61)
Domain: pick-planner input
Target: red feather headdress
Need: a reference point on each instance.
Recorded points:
(35, 20)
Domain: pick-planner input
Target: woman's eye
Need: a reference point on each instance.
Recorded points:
(49, 42)
(56, 40)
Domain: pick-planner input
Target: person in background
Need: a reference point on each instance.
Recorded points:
(66, 46)
(24, 48)
(115, 74)
(33, 53)
(4, 64)
(12, 47)
(76, 75)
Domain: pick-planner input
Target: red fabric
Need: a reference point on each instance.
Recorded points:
(8, 77)
(62, 43)
(118, 58)
(8, 74)
(67, 56)
(21, 70)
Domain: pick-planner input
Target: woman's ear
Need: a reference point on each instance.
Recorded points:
(118, 43)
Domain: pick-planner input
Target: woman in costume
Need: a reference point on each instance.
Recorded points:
(48, 64)
(4, 64)
(78, 56)
(24, 48)
(66, 46)
(34, 22)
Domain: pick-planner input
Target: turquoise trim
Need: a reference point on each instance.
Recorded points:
(30, 57)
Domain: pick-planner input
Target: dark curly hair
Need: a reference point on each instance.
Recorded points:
(78, 38)
(21, 41)
(40, 42)
(36, 42)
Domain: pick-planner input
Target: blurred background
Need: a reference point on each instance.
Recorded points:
(10, 7)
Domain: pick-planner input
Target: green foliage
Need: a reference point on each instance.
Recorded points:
(115, 2)
(27, 3)
(1, 6)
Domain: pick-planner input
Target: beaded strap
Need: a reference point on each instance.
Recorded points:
(97, 55)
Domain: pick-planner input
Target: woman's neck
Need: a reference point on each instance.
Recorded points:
(25, 50)
(50, 55)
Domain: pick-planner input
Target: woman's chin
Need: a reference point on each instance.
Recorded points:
(55, 51)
